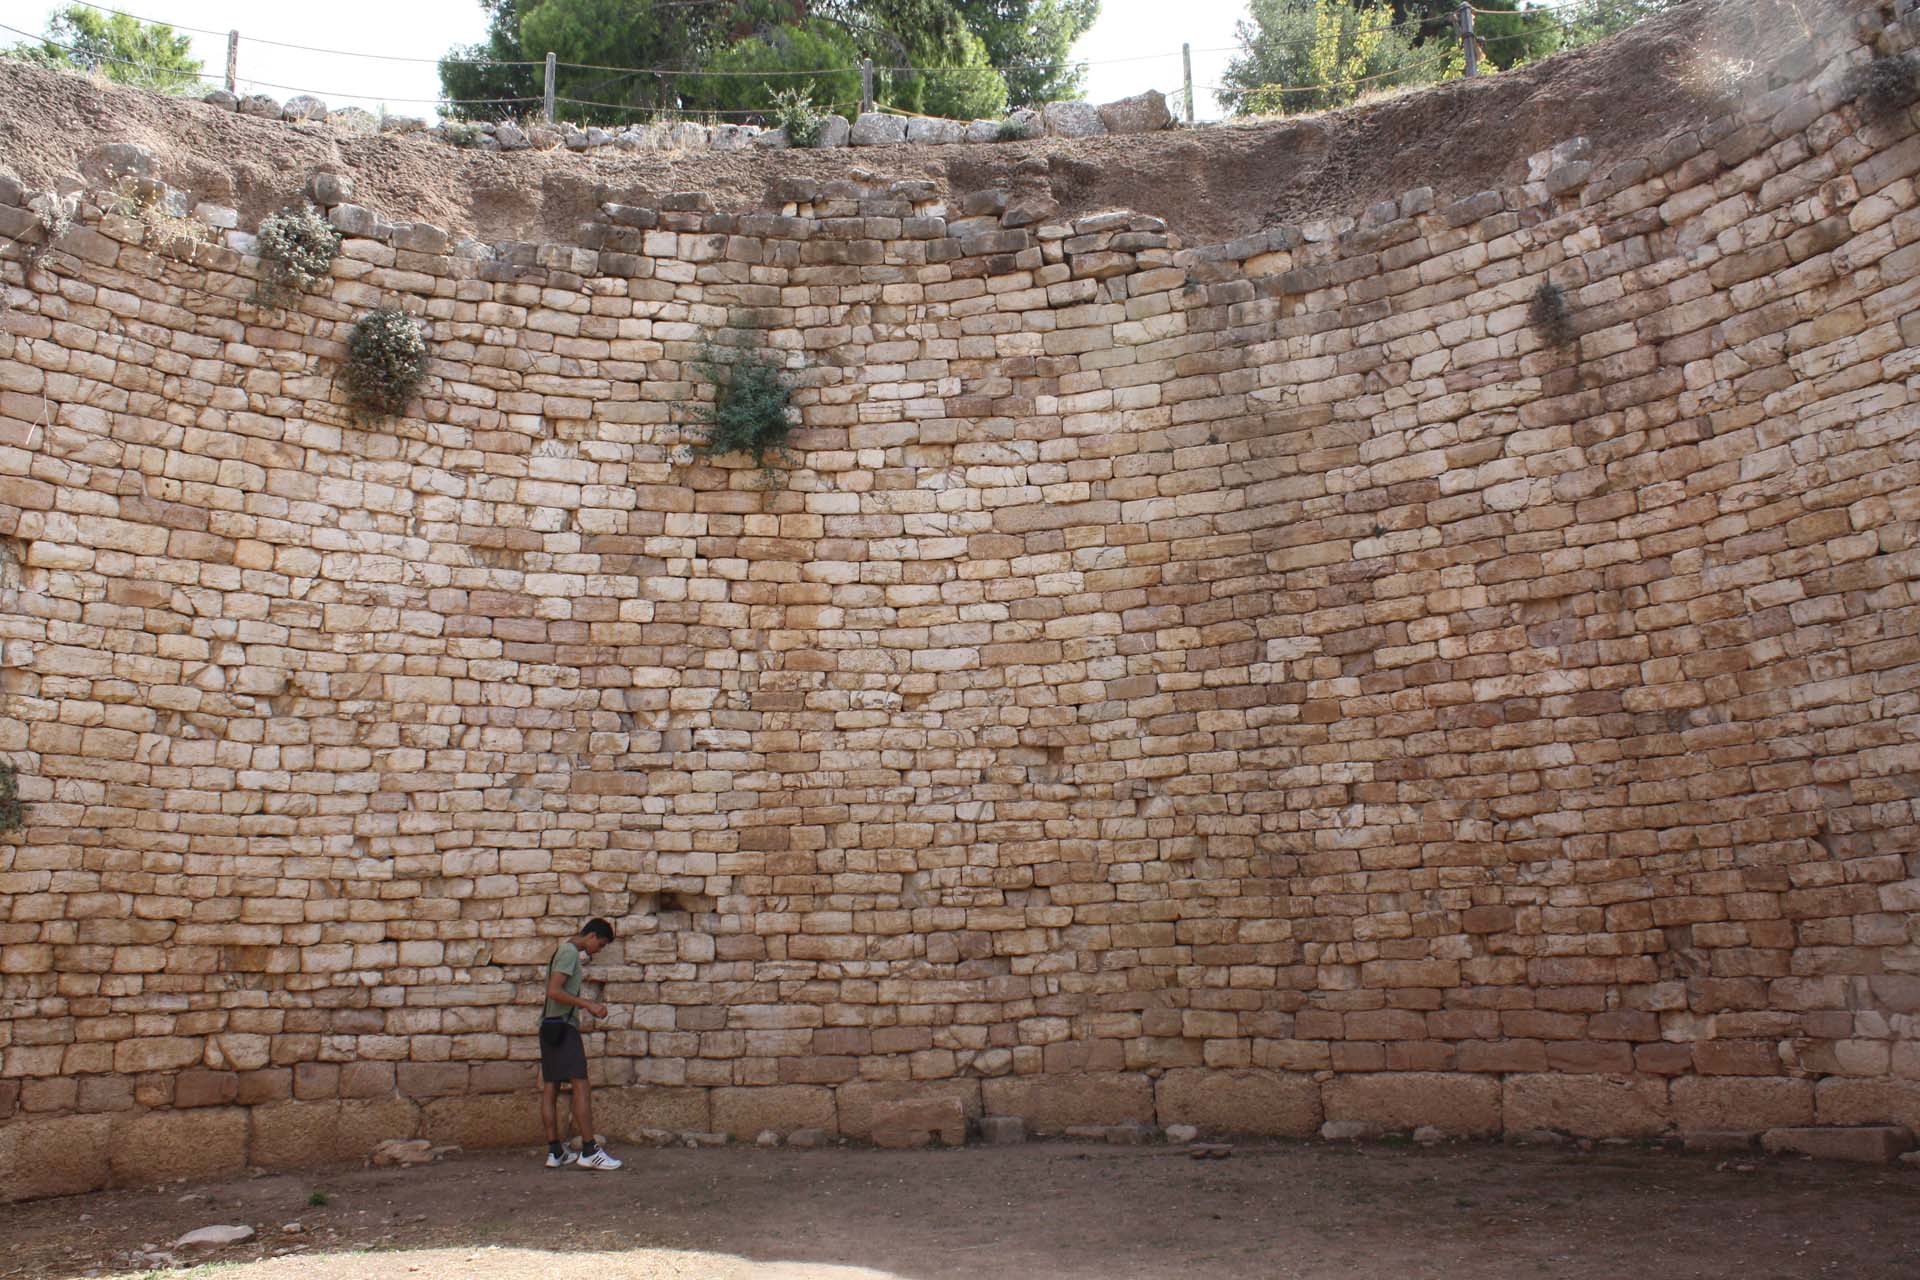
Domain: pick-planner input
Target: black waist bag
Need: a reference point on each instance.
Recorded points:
(552, 1032)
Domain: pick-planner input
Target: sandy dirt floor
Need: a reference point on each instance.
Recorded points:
(1046, 1209)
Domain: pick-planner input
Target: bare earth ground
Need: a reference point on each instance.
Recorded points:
(1211, 184)
(1292, 1211)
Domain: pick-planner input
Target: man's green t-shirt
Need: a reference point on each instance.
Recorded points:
(566, 959)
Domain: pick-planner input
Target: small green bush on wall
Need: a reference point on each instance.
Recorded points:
(297, 247)
(13, 814)
(751, 412)
(386, 361)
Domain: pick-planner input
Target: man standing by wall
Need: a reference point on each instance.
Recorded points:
(563, 1055)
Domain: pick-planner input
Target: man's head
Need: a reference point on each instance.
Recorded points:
(595, 934)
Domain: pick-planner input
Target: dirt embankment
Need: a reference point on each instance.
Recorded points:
(1210, 184)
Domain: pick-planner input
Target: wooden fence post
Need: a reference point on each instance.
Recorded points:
(1468, 39)
(233, 61)
(549, 91)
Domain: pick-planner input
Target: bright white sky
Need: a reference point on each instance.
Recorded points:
(1135, 46)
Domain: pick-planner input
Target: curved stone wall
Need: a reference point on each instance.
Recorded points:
(1258, 686)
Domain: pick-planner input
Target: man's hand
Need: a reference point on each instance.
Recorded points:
(597, 1010)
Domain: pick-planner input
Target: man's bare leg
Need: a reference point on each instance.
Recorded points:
(583, 1113)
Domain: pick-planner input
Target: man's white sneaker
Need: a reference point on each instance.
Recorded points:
(599, 1160)
(562, 1160)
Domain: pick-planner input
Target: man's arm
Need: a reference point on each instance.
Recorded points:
(557, 992)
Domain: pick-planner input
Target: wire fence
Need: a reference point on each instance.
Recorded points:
(1540, 17)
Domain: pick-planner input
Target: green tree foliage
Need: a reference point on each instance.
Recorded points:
(146, 55)
(1029, 41)
(940, 57)
(471, 78)
(1308, 55)
(1288, 46)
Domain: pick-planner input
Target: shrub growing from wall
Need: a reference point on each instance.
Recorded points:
(386, 361)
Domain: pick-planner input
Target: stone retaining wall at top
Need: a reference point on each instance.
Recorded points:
(1142, 113)
(1258, 686)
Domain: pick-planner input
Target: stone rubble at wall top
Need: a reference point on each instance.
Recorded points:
(1143, 113)
(1259, 686)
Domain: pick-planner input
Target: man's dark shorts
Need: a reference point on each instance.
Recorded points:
(566, 1057)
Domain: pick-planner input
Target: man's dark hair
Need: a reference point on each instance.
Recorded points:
(599, 928)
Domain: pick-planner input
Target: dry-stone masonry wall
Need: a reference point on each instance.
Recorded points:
(1258, 686)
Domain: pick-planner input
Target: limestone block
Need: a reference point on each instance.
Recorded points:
(511, 137)
(259, 104)
(1460, 1105)
(222, 99)
(1053, 1103)
(1741, 1103)
(685, 135)
(1867, 1144)
(935, 132)
(158, 1146)
(876, 129)
(1587, 1106)
(1143, 113)
(983, 131)
(60, 1157)
(496, 1120)
(1843, 1101)
(354, 120)
(304, 107)
(856, 1101)
(1281, 1104)
(742, 1112)
(834, 132)
(1073, 120)
(915, 1122)
(292, 1134)
(624, 1112)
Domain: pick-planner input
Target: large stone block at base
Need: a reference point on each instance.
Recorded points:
(53, 1157)
(1464, 1105)
(158, 1146)
(1587, 1106)
(624, 1112)
(288, 1135)
(856, 1100)
(915, 1122)
(1840, 1101)
(1274, 1103)
(493, 1120)
(1869, 1144)
(1055, 1102)
(1733, 1104)
(743, 1111)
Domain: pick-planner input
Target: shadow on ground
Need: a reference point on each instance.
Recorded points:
(1299, 1212)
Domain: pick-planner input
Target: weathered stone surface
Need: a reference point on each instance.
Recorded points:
(1143, 113)
(1461, 1105)
(1193, 726)
(60, 1157)
(259, 104)
(222, 99)
(1003, 1130)
(1056, 1102)
(622, 1112)
(917, 1122)
(303, 107)
(935, 132)
(215, 1237)
(743, 1112)
(835, 131)
(1587, 1106)
(1073, 120)
(875, 128)
(289, 1134)
(354, 120)
(1868, 1144)
(1258, 1102)
(499, 1120)
(859, 1101)
(159, 1146)
(1707, 1103)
